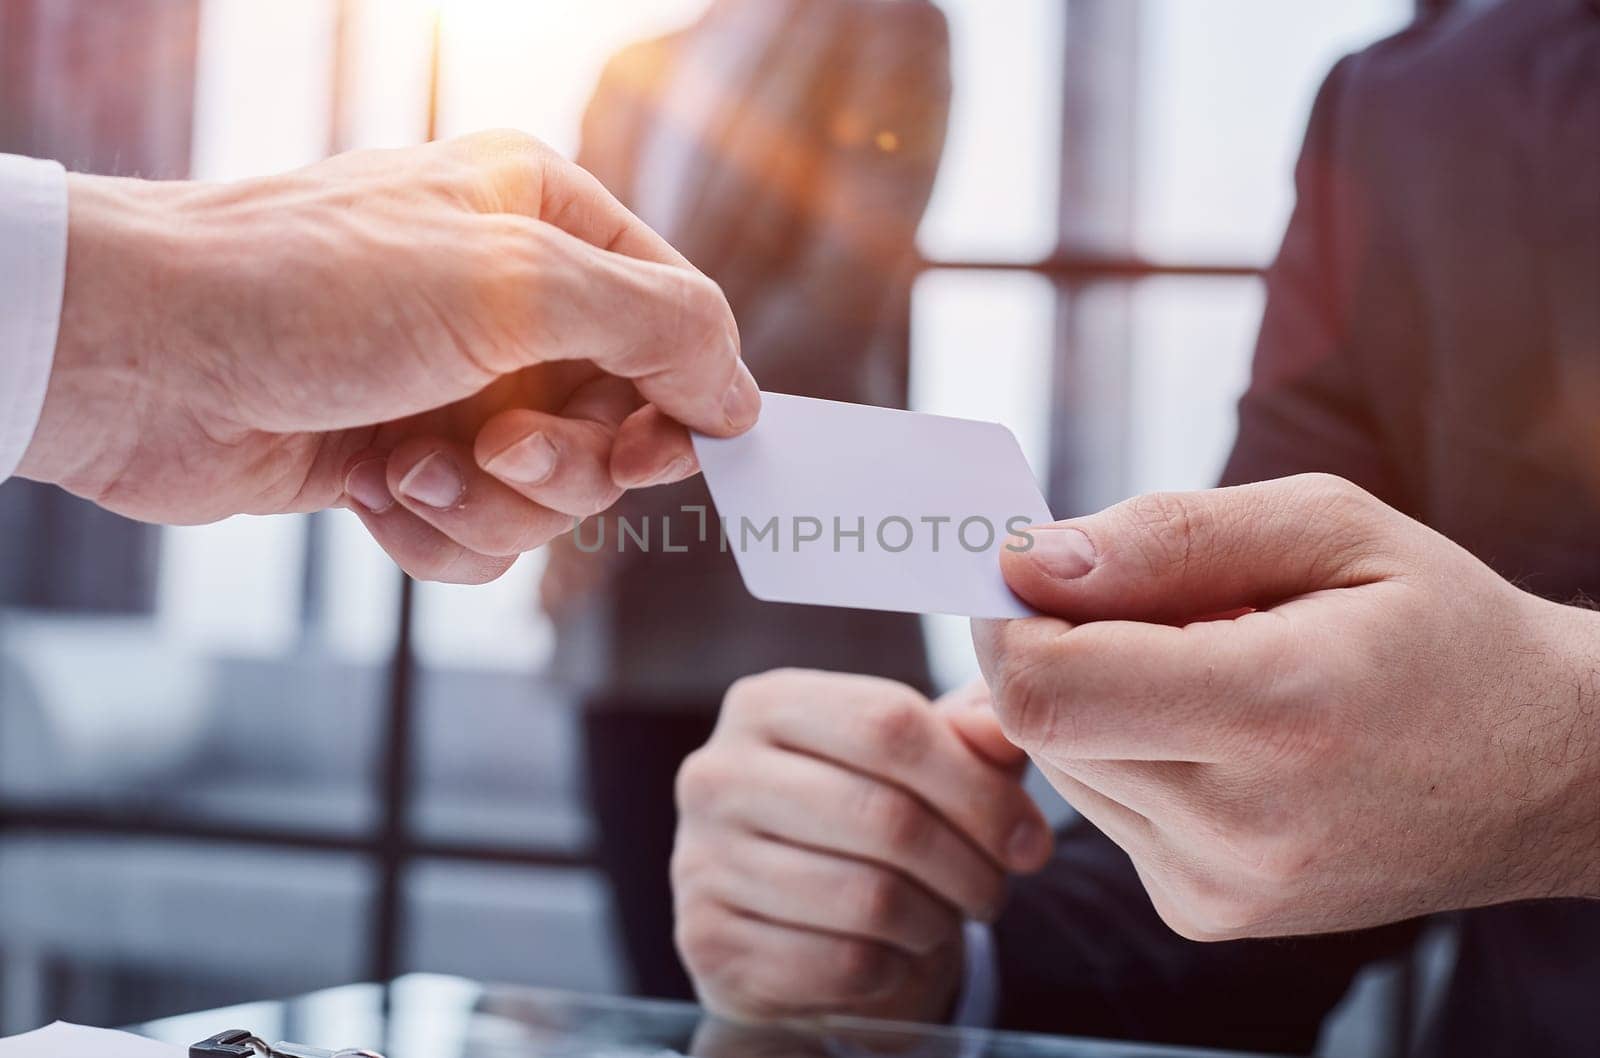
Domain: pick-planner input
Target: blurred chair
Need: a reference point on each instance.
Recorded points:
(788, 148)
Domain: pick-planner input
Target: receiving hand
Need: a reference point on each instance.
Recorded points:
(468, 343)
(833, 836)
(1393, 729)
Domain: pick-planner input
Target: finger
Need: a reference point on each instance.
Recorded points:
(1130, 830)
(666, 328)
(438, 482)
(417, 547)
(688, 361)
(970, 712)
(560, 461)
(751, 968)
(807, 801)
(1174, 796)
(885, 729)
(652, 449)
(554, 462)
(781, 883)
(1173, 557)
(530, 178)
(1120, 690)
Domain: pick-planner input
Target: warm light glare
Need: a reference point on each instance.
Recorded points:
(532, 64)
(474, 18)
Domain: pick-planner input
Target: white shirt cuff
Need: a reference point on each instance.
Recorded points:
(33, 275)
(979, 1001)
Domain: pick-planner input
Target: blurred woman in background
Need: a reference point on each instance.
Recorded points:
(789, 149)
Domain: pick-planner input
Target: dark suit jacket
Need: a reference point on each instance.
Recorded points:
(1432, 332)
(810, 178)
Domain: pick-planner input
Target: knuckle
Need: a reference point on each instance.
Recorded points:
(1024, 701)
(750, 694)
(1282, 863)
(506, 538)
(688, 866)
(876, 897)
(1164, 525)
(1273, 851)
(1331, 492)
(1193, 919)
(510, 275)
(901, 824)
(739, 693)
(522, 256)
(1294, 731)
(858, 966)
(702, 318)
(600, 498)
(507, 143)
(1304, 737)
(897, 727)
(1184, 924)
(451, 563)
(1346, 525)
(708, 947)
(702, 781)
(1209, 909)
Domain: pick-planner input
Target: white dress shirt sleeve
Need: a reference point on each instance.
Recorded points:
(977, 1006)
(33, 274)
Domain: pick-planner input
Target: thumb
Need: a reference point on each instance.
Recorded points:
(970, 713)
(1174, 557)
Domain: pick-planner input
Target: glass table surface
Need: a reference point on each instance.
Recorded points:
(429, 1016)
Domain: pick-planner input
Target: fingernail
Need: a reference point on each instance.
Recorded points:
(1025, 844)
(527, 462)
(367, 484)
(742, 405)
(434, 482)
(1064, 553)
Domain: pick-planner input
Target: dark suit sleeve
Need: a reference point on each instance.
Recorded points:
(1081, 949)
(1335, 294)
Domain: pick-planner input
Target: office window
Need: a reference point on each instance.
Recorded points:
(996, 197)
(1190, 355)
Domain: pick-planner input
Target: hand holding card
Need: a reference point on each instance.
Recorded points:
(873, 508)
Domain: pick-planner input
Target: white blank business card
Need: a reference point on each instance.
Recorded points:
(873, 508)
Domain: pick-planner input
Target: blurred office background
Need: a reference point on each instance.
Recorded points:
(216, 782)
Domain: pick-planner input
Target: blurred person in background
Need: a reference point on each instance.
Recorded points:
(788, 148)
(1410, 728)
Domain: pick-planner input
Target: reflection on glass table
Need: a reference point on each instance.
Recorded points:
(427, 1016)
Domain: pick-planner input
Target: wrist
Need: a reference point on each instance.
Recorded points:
(101, 377)
(1566, 749)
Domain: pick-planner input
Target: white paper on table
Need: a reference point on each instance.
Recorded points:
(934, 499)
(62, 1040)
